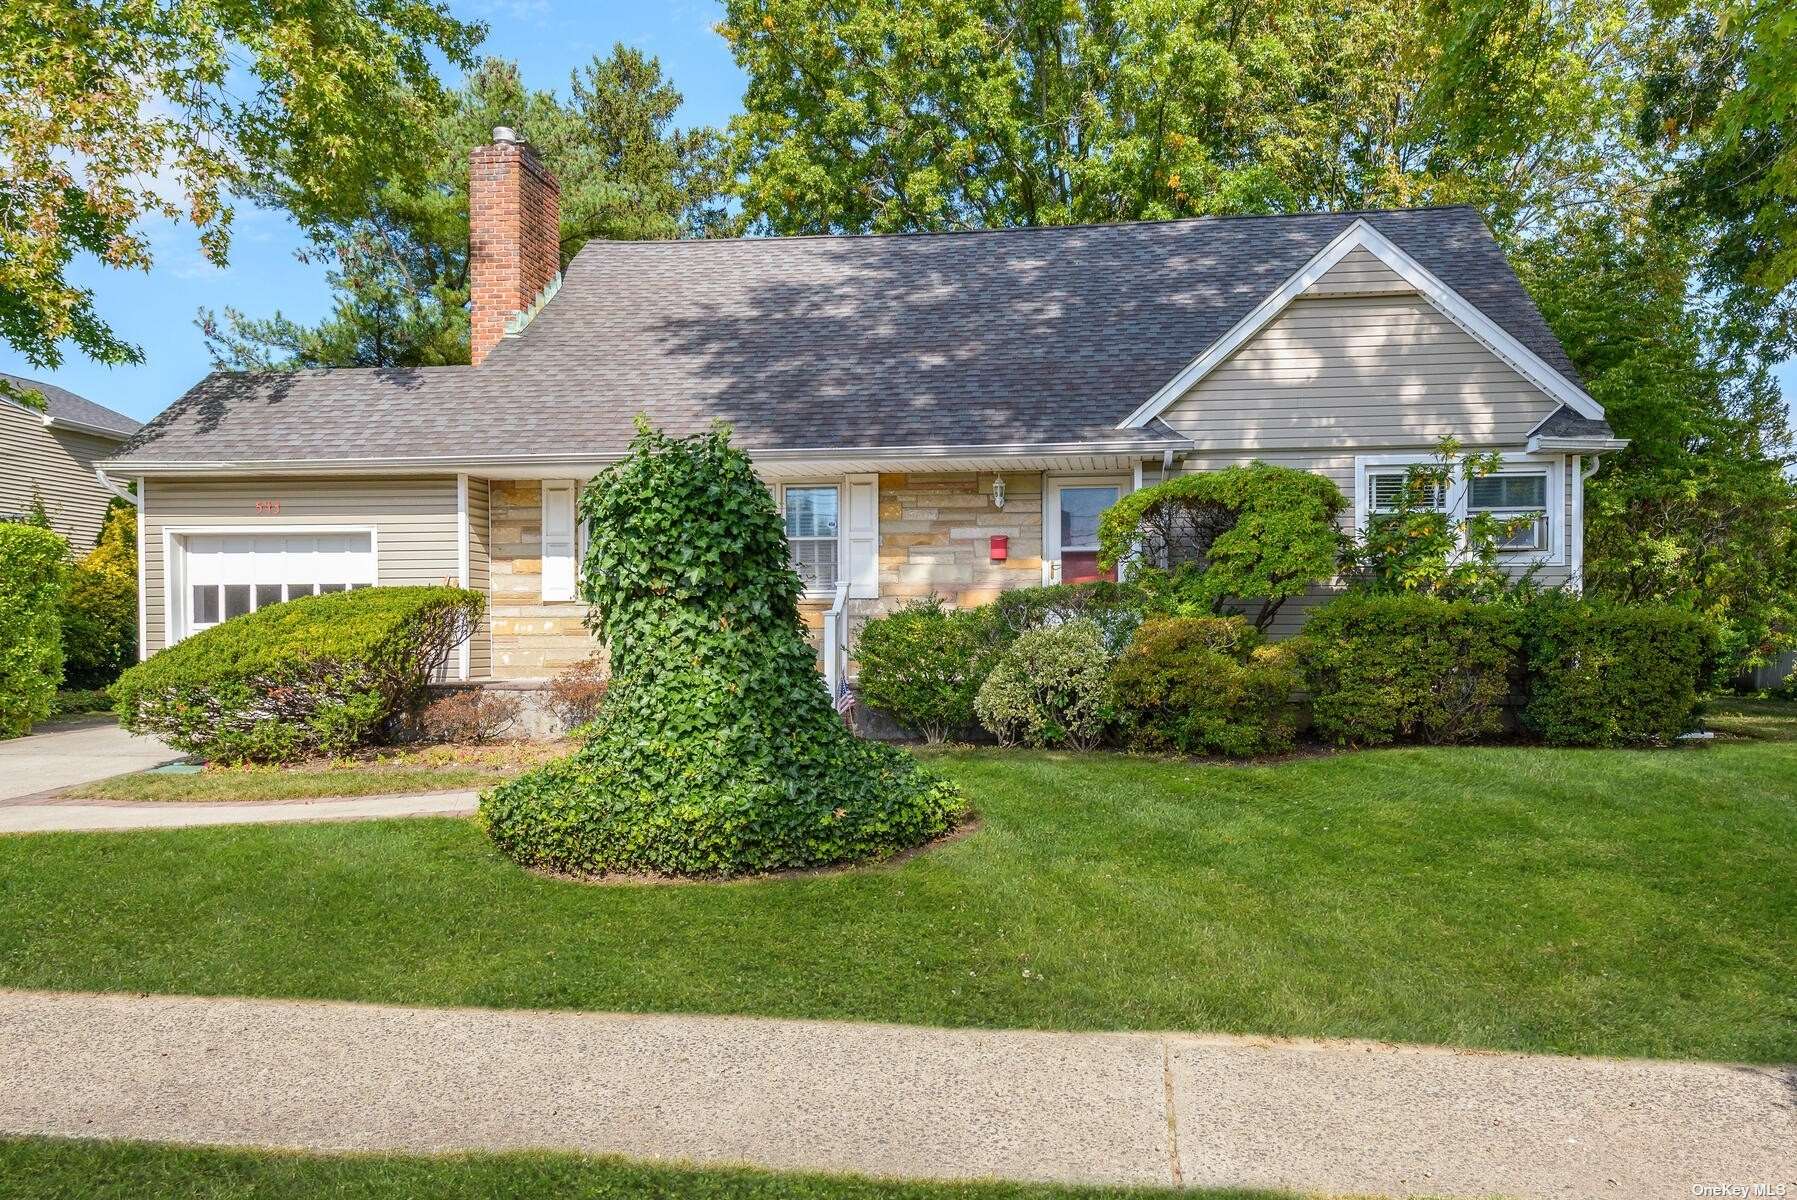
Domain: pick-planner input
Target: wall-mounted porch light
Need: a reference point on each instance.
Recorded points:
(998, 491)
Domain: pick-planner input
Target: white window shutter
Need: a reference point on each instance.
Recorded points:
(861, 534)
(558, 539)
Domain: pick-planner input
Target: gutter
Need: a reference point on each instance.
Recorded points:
(107, 483)
(1576, 445)
(51, 422)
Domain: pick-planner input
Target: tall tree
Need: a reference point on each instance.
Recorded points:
(399, 269)
(111, 113)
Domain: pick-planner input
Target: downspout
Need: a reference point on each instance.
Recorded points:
(1583, 474)
(107, 483)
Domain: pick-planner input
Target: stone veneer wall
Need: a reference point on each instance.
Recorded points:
(532, 639)
(935, 533)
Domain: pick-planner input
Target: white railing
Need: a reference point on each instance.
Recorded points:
(836, 642)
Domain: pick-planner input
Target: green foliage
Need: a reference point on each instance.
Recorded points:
(99, 605)
(1409, 668)
(717, 750)
(399, 267)
(32, 567)
(923, 665)
(1051, 687)
(1207, 685)
(1254, 533)
(1422, 549)
(1604, 674)
(81, 702)
(319, 674)
(1116, 608)
(170, 110)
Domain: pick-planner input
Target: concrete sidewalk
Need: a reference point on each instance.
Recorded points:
(1323, 1117)
(52, 816)
(81, 750)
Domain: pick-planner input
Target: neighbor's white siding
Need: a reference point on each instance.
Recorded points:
(415, 521)
(56, 465)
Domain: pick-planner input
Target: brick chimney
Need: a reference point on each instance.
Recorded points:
(514, 235)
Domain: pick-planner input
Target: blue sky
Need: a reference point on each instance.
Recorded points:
(156, 309)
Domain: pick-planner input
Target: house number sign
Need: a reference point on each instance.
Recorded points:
(267, 508)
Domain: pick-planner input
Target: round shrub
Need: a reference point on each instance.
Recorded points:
(1602, 674)
(717, 750)
(32, 566)
(1050, 688)
(316, 675)
(923, 665)
(99, 605)
(1207, 685)
(1382, 669)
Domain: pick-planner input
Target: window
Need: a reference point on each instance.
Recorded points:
(812, 533)
(1519, 502)
(1386, 488)
(226, 575)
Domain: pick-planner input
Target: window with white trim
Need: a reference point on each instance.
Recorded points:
(813, 531)
(1385, 492)
(1518, 501)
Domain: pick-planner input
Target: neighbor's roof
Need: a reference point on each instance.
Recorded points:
(997, 338)
(65, 407)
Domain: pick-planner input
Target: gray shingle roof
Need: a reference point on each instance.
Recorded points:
(1563, 422)
(1031, 336)
(64, 405)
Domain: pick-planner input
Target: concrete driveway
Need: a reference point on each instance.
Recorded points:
(79, 751)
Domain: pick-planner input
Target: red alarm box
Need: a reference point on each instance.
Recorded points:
(1001, 547)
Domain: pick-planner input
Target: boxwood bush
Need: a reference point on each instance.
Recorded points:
(316, 675)
(923, 665)
(717, 749)
(33, 562)
(1207, 685)
(1603, 674)
(1382, 669)
(1051, 687)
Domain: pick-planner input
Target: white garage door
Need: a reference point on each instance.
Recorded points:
(227, 575)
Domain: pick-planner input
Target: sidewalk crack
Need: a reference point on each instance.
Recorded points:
(1172, 1120)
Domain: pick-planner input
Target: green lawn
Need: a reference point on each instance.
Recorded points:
(1631, 903)
(50, 1169)
(1763, 720)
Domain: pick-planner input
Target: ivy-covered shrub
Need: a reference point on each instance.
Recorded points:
(99, 605)
(32, 565)
(316, 675)
(1216, 541)
(1602, 674)
(717, 749)
(1207, 685)
(1051, 687)
(1382, 669)
(923, 665)
(1116, 608)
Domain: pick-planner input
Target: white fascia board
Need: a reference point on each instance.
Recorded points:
(1361, 235)
(1576, 445)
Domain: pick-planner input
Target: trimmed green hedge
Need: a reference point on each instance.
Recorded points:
(923, 665)
(33, 563)
(1051, 687)
(1604, 674)
(1383, 669)
(315, 675)
(1207, 685)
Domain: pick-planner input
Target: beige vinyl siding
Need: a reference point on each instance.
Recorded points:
(1359, 372)
(56, 465)
(480, 651)
(1339, 469)
(1360, 273)
(415, 521)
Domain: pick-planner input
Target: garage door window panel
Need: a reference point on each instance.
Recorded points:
(230, 575)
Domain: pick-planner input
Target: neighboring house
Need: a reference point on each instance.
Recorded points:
(938, 413)
(50, 456)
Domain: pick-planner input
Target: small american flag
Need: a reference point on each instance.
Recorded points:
(845, 699)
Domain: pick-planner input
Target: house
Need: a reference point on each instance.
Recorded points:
(49, 456)
(935, 413)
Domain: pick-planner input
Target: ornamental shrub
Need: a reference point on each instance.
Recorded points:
(923, 665)
(1605, 674)
(1117, 609)
(316, 675)
(1051, 687)
(1382, 669)
(1218, 540)
(1207, 685)
(99, 605)
(32, 566)
(717, 749)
